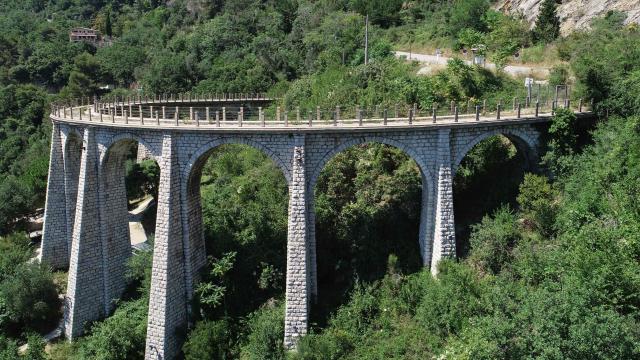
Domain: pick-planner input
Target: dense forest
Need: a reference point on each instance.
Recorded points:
(548, 263)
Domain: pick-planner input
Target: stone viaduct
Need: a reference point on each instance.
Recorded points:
(86, 206)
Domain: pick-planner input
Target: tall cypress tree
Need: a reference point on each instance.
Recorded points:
(548, 23)
(107, 24)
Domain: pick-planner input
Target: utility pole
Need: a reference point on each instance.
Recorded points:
(366, 39)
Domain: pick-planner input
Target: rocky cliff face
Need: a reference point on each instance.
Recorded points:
(574, 14)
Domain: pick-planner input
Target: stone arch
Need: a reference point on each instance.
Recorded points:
(428, 197)
(133, 137)
(520, 139)
(363, 140)
(114, 214)
(193, 236)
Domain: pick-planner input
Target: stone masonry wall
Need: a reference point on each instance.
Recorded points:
(101, 245)
(55, 250)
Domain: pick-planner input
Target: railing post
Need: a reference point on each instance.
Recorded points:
(415, 110)
(580, 105)
(519, 110)
(157, 118)
(224, 114)
(241, 116)
(286, 117)
(176, 116)
(101, 116)
(151, 111)
(384, 121)
(297, 114)
(261, 116)
(498, 111)
(190, 111)
(359, 115)
(553, 107)
(455, 115)
(207, 115)
(410, 116)
(141, 115)
(477, 112)
(434, 112)
(217, 118)
(164, 114)
(80, 113)
(126, 117)
(310, 117)
(197, 119)
(537, 107)
(453, 104)
(484, 106)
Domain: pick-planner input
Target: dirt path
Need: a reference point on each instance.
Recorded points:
(514, 70)
(136, 230)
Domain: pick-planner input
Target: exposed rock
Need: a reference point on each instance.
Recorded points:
(574, 14)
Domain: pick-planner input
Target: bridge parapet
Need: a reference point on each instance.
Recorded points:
(248, 112)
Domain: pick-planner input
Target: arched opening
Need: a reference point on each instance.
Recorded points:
(72, 158)
(128, 194)
(236, 223)
(368, 205)
(488, 175)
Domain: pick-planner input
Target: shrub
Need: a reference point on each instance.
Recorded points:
(30, 297)
(266, 331)
(493, 240)
(119, 337)
(538, 203)
(209, 340)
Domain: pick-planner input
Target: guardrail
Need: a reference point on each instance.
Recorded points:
(215, 112)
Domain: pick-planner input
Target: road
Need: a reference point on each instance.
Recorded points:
(514, 70)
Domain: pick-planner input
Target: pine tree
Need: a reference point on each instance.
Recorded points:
(107, 24)
(548, 23)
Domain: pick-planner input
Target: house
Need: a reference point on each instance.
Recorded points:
(85, 34)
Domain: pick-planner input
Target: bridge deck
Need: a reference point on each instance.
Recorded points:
(87, 114)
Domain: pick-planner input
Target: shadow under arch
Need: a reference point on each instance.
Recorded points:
(524, 143)
(114, 213)
(195, 254)
(488, 170)
(425, 206)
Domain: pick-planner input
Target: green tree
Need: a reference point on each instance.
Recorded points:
(547, 26)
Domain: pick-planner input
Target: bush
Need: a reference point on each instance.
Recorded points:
(266, 331)
(538, 203)
(209, 340)
(30, 297)
(120, 337)
(493, 240)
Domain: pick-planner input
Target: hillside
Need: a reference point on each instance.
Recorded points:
(548, 264)
(574, 14)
